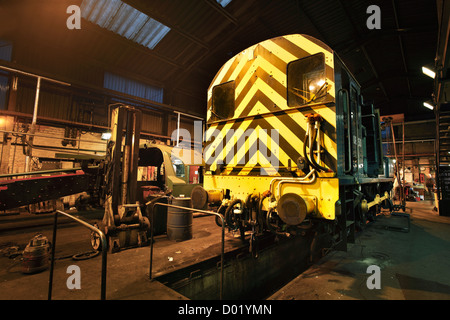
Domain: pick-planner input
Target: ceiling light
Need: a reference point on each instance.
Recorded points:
(429, 72)
(429, 105)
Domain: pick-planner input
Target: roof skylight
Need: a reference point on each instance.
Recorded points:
(124, 20)
(223, 3)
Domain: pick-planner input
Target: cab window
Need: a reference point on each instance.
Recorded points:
(306, 80)
(178, 167)
(223, 101)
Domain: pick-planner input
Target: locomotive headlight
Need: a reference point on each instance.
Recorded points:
(318, 85)
(321, 82)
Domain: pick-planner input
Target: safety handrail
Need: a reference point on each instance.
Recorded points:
(194, 210)
(103, 246)
(349, 137)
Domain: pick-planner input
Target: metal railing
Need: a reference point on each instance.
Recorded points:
(193, 210)
(103, 246)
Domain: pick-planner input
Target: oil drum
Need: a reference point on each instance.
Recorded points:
(159, 214)
(179, 221)
(35, 257)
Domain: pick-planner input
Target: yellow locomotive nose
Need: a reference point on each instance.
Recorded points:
(293, 208)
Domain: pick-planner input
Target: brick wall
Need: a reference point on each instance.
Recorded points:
(48, 144)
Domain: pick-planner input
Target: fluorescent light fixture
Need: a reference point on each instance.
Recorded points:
(428, 105)
(429, 72)
(106, 135)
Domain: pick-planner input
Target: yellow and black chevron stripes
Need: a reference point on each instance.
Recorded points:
(266, 72)
(260, 76)
(228, 141)
(271, 55)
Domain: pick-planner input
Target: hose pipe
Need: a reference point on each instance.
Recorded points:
(233, 220)
(305, 142)
(311, 154)
(314, 121)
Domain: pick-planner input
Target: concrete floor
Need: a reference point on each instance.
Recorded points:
(413, 265)
(127, 270)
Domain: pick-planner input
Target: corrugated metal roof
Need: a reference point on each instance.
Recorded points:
(124, 20)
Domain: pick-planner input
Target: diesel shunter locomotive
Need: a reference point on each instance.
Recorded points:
(291, 148)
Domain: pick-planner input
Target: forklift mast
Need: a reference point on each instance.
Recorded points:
(123, 160)
(123, 222)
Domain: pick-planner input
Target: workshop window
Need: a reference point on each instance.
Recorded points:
(5, 54)
(223, 3)
(178, 167)
(132, 87)
(306, 80)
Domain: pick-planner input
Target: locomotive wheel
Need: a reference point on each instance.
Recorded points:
(321, 242)
(361, 224)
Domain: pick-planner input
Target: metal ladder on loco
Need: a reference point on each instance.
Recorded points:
(442, 159)
(346, 221)
(444, 138)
